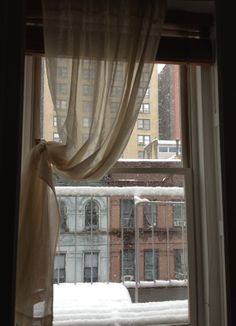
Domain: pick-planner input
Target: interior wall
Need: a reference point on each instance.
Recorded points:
(12, 67)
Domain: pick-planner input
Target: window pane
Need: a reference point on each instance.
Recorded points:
(129, 228)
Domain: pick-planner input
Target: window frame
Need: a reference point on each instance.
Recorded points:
(204, 135)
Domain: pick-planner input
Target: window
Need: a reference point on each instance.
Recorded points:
(87, 106)
(61, 104)
(91, 267)
(127, 265)
(143, 124)
(143, 140)
(91, 215)
(63, 214)
(87, 90)
(116, 91)
(58, 121)
(150, 215)
(62, 88)
(141, 154)
(145, 108)
(180, 265)
(179, 214)
(54, 121)
(86, 122)
(114, 106)
(171, 216)
(88, 73)
(127, 213)
(141, 91)
(56, 136)
(59, 268)
(62, 72)
(151, 269)
(147, 94)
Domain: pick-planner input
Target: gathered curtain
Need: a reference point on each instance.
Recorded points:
(105, 51)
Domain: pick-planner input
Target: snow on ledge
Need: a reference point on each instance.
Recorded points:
(157, 283)
(109, 304)
(119, 191)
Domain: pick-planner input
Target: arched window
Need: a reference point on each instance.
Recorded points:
(63, 214)
(91, 215)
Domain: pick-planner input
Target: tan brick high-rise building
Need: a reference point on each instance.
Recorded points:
(146, 127)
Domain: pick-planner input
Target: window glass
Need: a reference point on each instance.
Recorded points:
(91, 215)
(90, 267)
(130, 228)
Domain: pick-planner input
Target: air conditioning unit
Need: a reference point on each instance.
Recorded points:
(179, 223)
(128, 278)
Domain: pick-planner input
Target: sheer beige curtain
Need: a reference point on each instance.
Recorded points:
(107, 49)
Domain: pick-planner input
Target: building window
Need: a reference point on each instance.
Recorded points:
(147, 94)
(91, 215)
(143, 140)
(141, 154)
(87, 106)
(114, 107)
(151, 265)
(87, 90)
(88, 73)
(62, 72)
(86, 122)
(90, 267)
(59, 268)
(141, 91)
(61, 88)
(116, 91)
(145, 108)
(61, 104)
(127, 213)
(179, 217)
(127, 265)
(63, 215)
(150, 215)
(143, 124)
(56, 137)
(180, 264)
(54, 121)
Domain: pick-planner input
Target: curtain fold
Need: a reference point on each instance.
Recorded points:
(108, 49)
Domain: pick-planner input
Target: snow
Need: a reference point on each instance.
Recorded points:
(110, 304)
(160, 66)
(156, 283)
(119, 191)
